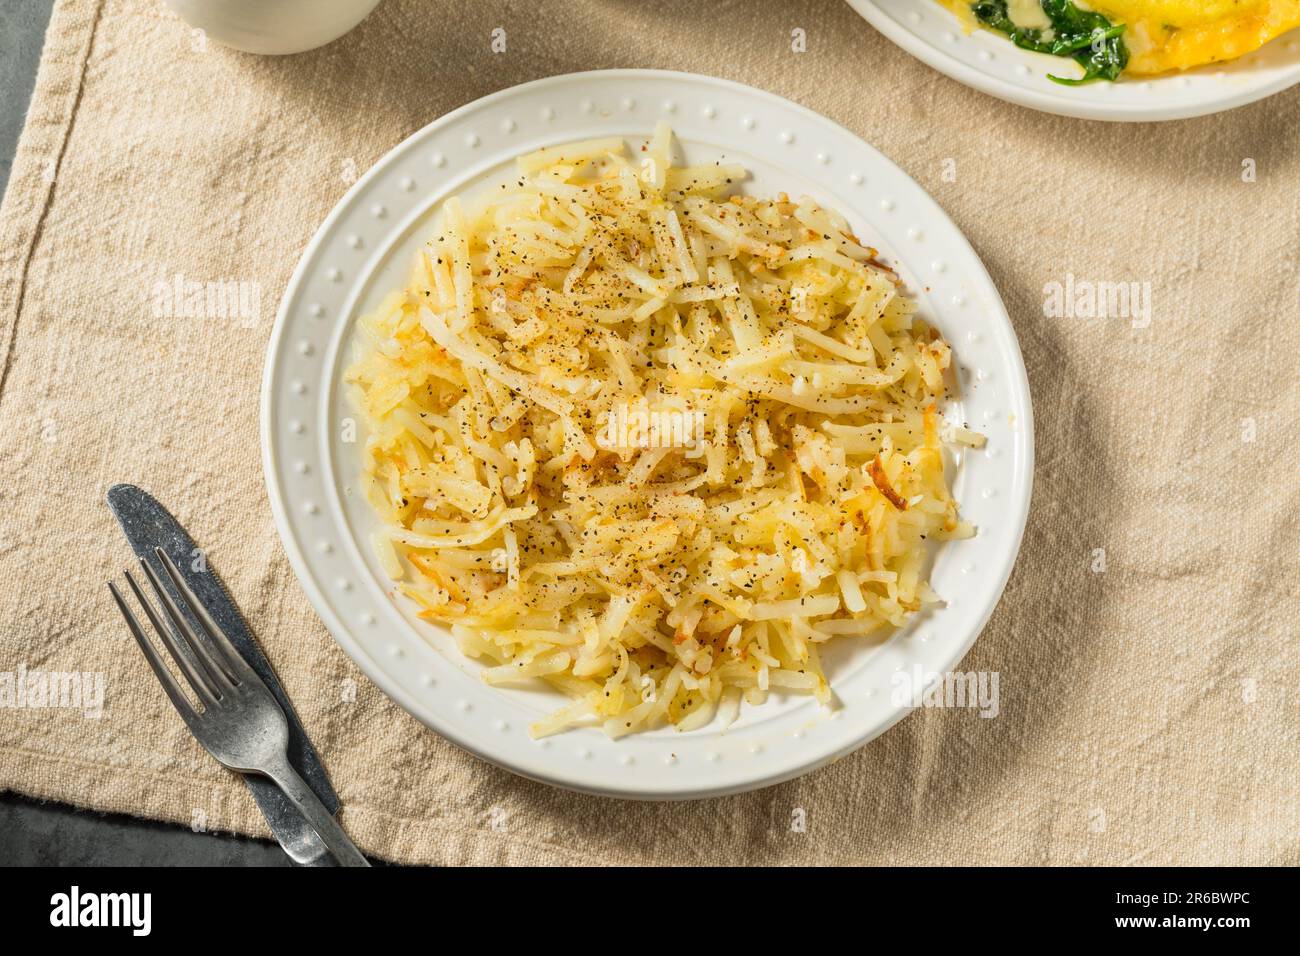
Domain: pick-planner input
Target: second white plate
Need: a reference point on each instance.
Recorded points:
(991, 63)
(364, 249)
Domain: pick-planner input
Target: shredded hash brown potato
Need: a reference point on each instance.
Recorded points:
(653, 582)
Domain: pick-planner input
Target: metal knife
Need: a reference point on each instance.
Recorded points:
(148, 525)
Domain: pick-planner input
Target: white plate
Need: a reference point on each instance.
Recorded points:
(364, 249)
(989, 62)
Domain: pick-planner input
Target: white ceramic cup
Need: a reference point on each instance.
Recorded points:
(273, 26)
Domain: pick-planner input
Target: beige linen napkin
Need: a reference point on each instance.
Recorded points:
(1147, 642)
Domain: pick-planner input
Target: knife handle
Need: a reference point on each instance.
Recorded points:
(304, 798)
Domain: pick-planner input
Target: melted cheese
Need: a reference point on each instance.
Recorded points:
(1028, 14)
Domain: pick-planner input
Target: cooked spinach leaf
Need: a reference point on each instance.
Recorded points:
(1088, 38)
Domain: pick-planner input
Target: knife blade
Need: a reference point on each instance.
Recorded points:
(148, 525)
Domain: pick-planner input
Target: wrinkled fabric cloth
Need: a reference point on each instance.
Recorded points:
(1146, 644)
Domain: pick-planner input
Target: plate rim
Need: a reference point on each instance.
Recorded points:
(341, 633)
(1059, 105)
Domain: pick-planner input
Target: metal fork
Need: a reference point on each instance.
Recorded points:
(241, 724)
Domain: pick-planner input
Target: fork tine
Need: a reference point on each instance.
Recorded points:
(202, 681)
(178, 698)
(236, 664)
(215, 662)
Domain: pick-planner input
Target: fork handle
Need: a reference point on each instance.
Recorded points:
(321, 820)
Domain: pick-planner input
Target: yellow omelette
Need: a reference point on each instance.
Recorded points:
(1163, 35)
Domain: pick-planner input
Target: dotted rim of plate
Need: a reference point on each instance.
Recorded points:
(987, 61)
(344, 587)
